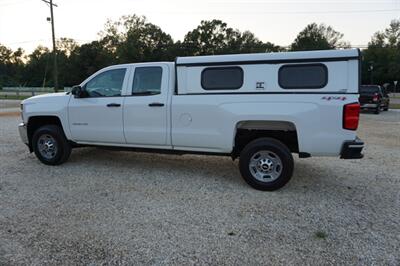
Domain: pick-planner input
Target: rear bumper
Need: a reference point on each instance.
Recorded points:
(369, 105)
(23, 133)
(352, 149)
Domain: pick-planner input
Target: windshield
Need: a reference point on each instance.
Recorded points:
(369, 89)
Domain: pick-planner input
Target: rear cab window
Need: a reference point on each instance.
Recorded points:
(369, 89)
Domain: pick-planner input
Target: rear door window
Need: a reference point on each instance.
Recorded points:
(147, 81)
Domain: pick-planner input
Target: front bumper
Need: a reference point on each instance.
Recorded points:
(352, 149)
(23, 133)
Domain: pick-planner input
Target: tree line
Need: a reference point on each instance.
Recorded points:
(133, 39)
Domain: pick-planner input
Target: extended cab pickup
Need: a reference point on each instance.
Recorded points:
(258, 107)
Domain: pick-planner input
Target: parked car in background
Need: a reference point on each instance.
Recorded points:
(374, 97)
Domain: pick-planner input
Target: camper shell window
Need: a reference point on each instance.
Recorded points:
(222, 78)
(303, 76)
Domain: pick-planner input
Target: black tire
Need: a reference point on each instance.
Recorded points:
(60, 141)
(377, 110)
(386, 108)
(264, 145)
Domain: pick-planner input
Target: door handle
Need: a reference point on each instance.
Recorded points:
(156, 104)
(113, 105)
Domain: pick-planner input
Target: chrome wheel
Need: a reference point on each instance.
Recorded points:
(47, 146)
(265, 166)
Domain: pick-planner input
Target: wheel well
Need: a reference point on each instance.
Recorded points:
(36, 122)
(248, 131)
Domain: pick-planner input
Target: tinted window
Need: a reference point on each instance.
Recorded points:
(106, 84)
(305, 76)
(147, 81)
(369, 89)
(222, 78)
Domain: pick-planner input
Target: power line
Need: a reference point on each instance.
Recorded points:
(296, 12)
(329, 12)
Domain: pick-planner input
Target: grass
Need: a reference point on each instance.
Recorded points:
(394, 106)
(321, 234)
(14, 97)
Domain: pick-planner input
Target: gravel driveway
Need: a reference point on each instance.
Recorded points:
(108, 207)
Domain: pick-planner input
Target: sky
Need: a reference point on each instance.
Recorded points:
(23, 22)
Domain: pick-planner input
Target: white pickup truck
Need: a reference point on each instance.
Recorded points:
(258, 107)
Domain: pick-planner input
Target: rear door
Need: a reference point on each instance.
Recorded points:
(145, 107)
(97, 118)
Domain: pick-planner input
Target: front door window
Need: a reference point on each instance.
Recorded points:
(106, 84)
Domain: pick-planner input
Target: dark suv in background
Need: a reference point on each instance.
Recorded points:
(374, 97)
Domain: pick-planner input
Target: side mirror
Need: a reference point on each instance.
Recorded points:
(78, 91)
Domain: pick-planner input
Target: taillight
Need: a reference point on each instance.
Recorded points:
(351, 116)
(375, 97)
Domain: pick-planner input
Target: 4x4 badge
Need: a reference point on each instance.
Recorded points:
(328, 98)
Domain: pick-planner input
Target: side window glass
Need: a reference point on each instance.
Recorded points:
(303, 76)
(147, 81)
(222, 78)
(106, 84)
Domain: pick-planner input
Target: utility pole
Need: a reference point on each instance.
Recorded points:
(371, 71)
(55, 70)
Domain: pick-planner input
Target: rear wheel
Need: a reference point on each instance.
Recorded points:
(50, 145)
(266, 164)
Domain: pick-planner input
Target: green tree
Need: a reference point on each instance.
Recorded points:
(318, 37)
(215, 37)
(133, 39)
(66, 45)
(381, 61)
(86, 59)
(38, 70)
(11, 66)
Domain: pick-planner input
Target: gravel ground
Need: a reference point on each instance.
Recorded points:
(106, 207)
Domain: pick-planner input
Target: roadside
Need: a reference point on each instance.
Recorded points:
(108, 207)
(395, 102)
(4, 104)
(9, 108)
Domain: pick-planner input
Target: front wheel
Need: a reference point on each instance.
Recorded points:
(266, 164)
(50, 145)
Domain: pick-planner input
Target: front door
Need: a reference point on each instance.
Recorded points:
(145, 109)
(97, 117)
